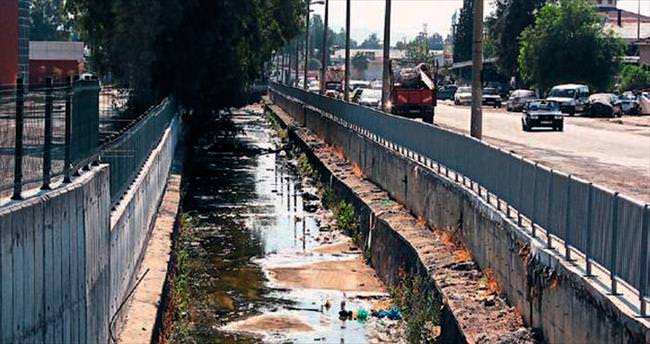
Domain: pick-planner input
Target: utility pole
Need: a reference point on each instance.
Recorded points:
(297, 50)
(638, 22)
(324, 50)
(385, 89)
(346, 89)
(307, 45)
(476, 129)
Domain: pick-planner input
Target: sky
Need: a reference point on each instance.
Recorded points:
(409, 16)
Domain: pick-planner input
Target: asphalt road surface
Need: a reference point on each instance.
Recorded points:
(615, 155)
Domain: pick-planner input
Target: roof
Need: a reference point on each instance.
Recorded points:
(626, 16)
(568, 86)
(378, 53)
(628, 30)
(468, 63)
(55, 50)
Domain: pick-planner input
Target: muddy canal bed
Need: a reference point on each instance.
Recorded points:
(259, 258)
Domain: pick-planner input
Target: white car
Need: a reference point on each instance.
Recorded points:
(463, 95)
(370, 97)
(571, 97)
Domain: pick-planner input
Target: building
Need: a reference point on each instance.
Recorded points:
(14, 40)
(58, 60)
(632, 27)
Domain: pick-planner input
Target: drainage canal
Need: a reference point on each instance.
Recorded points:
(259, 258)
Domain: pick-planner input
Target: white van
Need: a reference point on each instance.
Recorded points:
(571, 97)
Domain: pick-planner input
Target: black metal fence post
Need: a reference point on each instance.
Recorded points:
(18, 148)
(643, 275)
(614, 244)
(67, 159)
(567, 220)
(47, 145)
(590, 205)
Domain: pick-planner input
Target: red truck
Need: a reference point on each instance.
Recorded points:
(413, 94)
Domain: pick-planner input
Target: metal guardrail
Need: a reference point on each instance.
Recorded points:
(610, 229)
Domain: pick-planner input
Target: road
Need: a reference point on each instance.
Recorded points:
(614, 155)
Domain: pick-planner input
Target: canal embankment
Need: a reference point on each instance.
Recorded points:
(402, 247)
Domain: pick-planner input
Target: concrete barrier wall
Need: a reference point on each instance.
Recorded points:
(66, 260)
(550, 295)
(132, 219)
(54, 264)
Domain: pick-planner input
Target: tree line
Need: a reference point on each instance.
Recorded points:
(544, 42)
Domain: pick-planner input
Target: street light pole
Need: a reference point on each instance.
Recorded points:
(307, 44)
(346, 89)
(324, 50)
(385, 89)
(476, 128)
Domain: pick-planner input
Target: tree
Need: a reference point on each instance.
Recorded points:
(360, 61)
(504, 27)
(567, 44)
(204, 52)
(634, 78)
(463, 35)
(436, 42)
(47, 21)
(372, 42)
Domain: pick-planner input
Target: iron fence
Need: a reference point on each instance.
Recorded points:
(53, 131)
(36, 133)
(128, 151)
(608, 228)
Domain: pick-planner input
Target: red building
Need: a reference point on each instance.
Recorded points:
(58, 60)
(14, 40)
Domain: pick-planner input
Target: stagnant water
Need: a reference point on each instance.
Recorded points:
(244, 212)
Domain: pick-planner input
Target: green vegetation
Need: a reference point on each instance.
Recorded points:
(372, 42)
(48, 21)
(419, 306)
(504, 26)
(360, 62)
(464, 33)
(567, 44)
(634, 78)
(205, 52)
(181, 281)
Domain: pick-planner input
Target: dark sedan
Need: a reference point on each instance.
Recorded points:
(491, 97)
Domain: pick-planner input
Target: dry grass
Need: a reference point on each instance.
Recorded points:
(357, 171)
(491, 282)
(422, 222)
(463, 255)
(338, 152)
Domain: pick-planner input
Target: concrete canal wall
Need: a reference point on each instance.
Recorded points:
(67, 260)
(552, 296)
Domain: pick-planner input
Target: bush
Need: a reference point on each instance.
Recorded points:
(634, 78)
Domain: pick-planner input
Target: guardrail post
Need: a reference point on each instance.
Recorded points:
(549, 209)
(590, 205)
(643, 275)
(532, 220)
(614, 244)
(567, 220)
(47, 145)
(18, 148)
(67, 158)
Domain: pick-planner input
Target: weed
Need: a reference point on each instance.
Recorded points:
(419, 306)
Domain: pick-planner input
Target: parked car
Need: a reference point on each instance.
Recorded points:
(369, 97)
(333, 89)
(491, 97)
(354, 84)
(463, 95)
(542, 113)
(630, 103)
(644, 102)
(503, 89)
(604, 104)
(447, 92)
(571, 97)
(519, 98)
